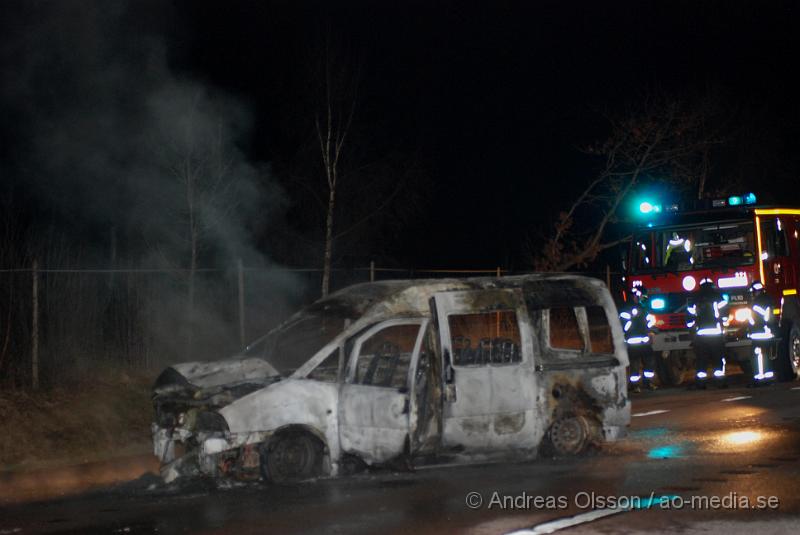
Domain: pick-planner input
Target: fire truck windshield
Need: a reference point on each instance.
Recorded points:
(682, 248)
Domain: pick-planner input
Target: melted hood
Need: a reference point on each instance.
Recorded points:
(219, 372)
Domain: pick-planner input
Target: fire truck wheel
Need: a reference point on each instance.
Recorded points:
(788, 362)
(671, 368)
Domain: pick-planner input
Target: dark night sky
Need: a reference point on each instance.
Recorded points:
(496, 99)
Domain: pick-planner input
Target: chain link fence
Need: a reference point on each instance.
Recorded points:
(58, 325)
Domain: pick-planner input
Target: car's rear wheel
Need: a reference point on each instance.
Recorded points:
(568, 435)
(290, 456)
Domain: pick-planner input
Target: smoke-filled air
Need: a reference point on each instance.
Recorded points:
(139, 173)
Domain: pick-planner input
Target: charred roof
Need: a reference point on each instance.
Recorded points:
(412, 296)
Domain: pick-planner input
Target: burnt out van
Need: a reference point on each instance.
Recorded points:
(406, 371)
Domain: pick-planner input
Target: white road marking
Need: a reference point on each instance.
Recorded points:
(564, 523)
(737, 398)
(796, 388)
(651, 413)
(590, 516)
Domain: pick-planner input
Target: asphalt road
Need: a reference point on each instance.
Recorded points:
(698, 454)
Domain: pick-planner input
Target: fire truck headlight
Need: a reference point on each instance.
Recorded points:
(742, 315)
(658, 303)
(689, 283)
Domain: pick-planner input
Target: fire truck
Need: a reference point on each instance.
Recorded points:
(733, 241)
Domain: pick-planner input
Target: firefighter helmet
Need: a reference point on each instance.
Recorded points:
(640, 293)
(757, 288)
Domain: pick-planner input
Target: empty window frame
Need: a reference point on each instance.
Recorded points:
(600, 340)
(328, 370)
(485, 338)
(385, 356)
(564, 330)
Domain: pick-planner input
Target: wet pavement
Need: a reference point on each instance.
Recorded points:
(719, 461)
(57, 481)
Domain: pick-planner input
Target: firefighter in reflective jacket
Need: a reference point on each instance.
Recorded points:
(705, 316)
(637, 324)
(679, 251)
(761, 332)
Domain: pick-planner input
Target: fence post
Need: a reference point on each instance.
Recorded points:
(371, 271)
(498, 272)
(240, 272)
(113, 259)
(35, 325)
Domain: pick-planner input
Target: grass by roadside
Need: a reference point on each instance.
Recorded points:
(91, 421)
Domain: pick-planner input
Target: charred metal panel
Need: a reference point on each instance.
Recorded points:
(544, 293)
(221, 372)
(298, 402)
(287, 402)
(493, 400)
(468, 418)
(508, 423)
(373, 422)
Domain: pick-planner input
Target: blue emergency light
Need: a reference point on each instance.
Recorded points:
(658, 303)
(739, 200)
(647, 207)
(653, 209)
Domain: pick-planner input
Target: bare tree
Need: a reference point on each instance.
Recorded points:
(663, 141)
(205, 192)
(333, 122)
(367, 185)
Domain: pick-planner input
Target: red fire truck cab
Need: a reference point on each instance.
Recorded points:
(734, 242)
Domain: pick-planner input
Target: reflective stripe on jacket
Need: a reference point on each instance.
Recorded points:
(637, 323)
(762, 320)
(705, 313)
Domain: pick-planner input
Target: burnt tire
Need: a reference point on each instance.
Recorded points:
(787, 365)
(290, 457)
(568, 435)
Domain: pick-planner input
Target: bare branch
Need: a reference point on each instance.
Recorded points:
(664, 139)
(372, 214)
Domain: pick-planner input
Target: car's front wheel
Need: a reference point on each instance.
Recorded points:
(290, 456)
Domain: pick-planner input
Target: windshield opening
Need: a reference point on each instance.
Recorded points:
(701, 246)
(293, 344)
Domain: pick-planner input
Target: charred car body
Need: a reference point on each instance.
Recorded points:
(464, 370)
